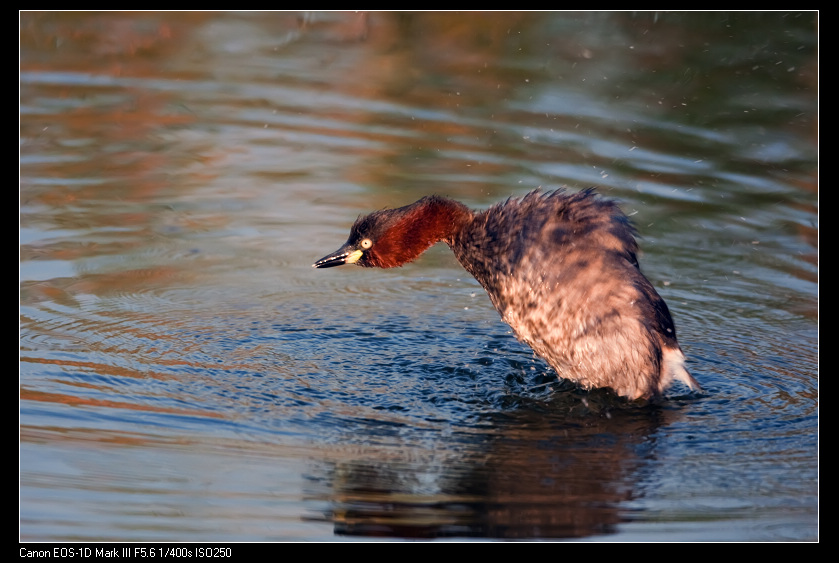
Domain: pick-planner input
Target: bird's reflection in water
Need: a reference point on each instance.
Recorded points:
(562, 470)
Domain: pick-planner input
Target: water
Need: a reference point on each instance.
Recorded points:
(186, 375)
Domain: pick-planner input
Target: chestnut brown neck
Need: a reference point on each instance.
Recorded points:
(409, 231)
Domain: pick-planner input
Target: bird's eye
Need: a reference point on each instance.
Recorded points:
(366, 243)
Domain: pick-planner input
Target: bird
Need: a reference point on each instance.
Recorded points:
(562, 270)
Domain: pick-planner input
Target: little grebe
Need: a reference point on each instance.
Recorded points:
(562, 271)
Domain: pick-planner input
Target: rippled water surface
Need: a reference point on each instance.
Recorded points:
(186, 375)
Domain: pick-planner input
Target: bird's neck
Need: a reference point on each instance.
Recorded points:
(420, 225)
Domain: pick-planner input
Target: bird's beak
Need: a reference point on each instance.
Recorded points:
(347, 254)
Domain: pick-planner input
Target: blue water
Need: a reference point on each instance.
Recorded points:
(185, 375)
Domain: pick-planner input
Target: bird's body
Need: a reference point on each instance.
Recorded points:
(562, 271)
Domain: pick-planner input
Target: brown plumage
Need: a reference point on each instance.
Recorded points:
(562, 271)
